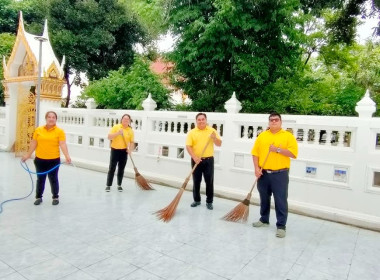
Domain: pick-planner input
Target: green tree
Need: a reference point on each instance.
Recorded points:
(228, 45)
(7, 17)
(6, 44)
(331, 84)
(127, 89)
(34, 13)
(150, 14)
(341, 26)
(94, 36)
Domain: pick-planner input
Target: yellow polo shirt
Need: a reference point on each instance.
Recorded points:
(197, 139)
(118, 142)
(283, 139)
(48, 141)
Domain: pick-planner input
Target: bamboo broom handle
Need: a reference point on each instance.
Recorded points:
(261, 169)
(130, 155)
(195, 165)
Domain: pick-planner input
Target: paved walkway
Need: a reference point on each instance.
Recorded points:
(92, 234)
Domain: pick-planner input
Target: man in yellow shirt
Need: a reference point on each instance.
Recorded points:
(203, 155)
(277, 146)
(122, 143)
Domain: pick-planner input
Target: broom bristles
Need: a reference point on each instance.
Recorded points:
(167, 213)
(142, 182)
(240, 213)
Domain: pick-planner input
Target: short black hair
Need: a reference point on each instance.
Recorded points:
(274, 114)
(200, 114)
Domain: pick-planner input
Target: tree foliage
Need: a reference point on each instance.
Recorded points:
(150, 15)
(127, 89)
(95, 36)
(253, 47)
(227, 45)
(331, 84)
(7, 41)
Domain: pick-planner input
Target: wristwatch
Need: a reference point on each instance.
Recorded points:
(278, 150)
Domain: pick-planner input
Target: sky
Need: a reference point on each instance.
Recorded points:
(365, 30)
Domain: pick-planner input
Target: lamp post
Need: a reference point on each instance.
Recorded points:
(41, 40)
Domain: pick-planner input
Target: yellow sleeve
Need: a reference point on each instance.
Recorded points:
(189, 139)
(293, 145)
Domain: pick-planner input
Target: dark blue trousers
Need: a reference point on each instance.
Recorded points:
(118, 157)
(43, 165)
(205, 168)
(276, 184)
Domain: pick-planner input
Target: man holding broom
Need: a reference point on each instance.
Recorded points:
(200, 143)
(271, 154)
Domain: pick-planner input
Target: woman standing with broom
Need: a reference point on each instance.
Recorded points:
(122, 143)
(196, 140)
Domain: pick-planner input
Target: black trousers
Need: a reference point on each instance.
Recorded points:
(118, 157)
(205, 168)
(276, 184)
(43, 165)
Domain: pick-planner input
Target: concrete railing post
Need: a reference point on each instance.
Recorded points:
(366, 106)
(149, 104)
(231, 129)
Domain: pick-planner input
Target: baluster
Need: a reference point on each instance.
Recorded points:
(304, 136)
(317, 137)
(182, 128)
(340, 138)
(328, 137)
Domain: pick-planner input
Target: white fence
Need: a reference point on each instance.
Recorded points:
(336, 176)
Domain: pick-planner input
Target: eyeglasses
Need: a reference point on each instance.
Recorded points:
(274, 120)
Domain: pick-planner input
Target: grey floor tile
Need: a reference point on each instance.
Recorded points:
(167, 268)
(311, 274)
(85, 257)
(139, 256)
(199, 274)
(50, 269)
(141, 274)
(13, 276)
(110, 269)
(78, 275)
(27, 257)
(5, 270)
(92, 234)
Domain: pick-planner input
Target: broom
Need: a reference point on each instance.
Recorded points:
(241, 211)
(139, 179)
(167, 213)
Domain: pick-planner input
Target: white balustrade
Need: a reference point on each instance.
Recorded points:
(336, 175)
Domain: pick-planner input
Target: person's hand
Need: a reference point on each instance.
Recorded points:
(197, 160)
(68, 159)
(258, 173)
(121, 131)
(128, 151)
(273, 148)
(213, 136)
(24, 158)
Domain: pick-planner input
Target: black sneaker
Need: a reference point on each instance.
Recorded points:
(108, 189)
(119, 188)
(195, 204)
(209, 206)
(38, 201)
(55, 201)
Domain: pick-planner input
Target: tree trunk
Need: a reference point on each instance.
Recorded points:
(67, 76)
